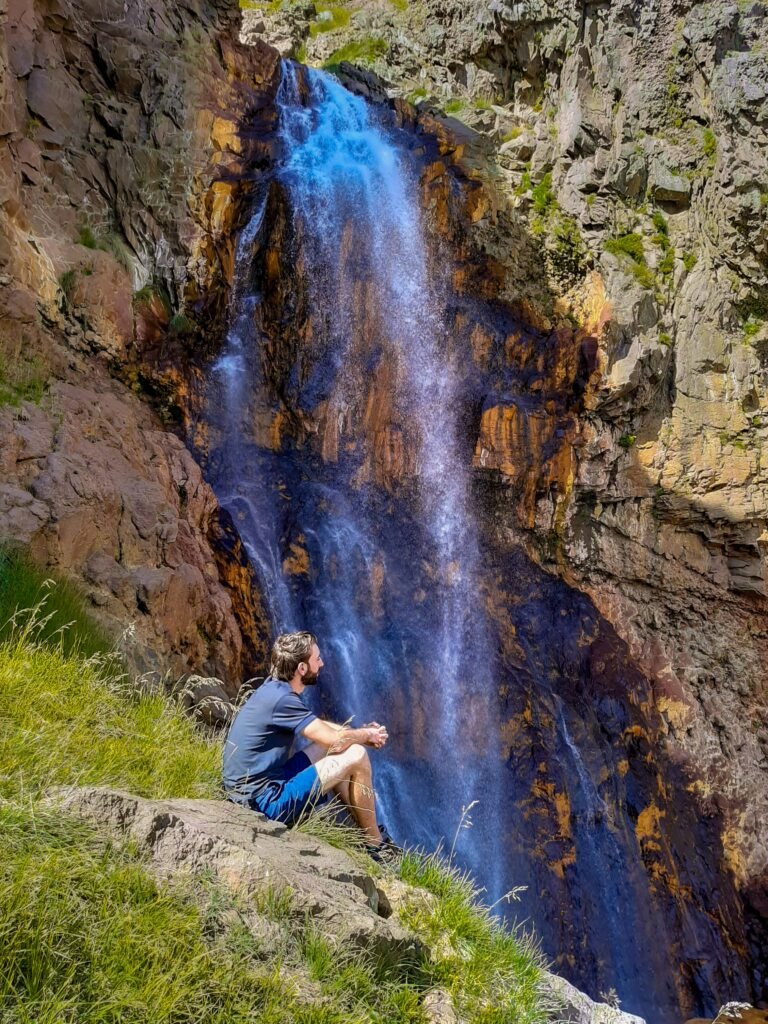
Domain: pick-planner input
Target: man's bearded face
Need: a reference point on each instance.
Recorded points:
(309, 678)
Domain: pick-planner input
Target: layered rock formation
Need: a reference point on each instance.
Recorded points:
(117, 158)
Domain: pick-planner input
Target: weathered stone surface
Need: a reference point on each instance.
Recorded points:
(580, 1009)
(249, 853)
(95, 487)
(252, 855)
(122, 129)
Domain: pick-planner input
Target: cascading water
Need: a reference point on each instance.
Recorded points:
(341, 168)
(396, 578)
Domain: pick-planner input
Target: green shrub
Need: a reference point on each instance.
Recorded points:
(752, 327)
(68, 284)
(667, 264)
(543, 196)
(454, 106)
(23, 374)
(660, 223)
(709, 142)
(360, 51)
(110, 242)
(690, 260)
(180, 325)
(627, 441)
(665, 339)
(513, 133)
(87, 238)
(626, 245)
(631, 245)
(526, 184)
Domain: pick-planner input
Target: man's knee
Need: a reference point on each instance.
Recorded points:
(358, 755)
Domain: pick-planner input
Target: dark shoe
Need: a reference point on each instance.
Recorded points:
(383, 853)
(389, 842)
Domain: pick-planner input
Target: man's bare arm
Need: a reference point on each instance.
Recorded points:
(336, 738)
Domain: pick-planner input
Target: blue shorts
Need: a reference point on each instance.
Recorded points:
(290, 790)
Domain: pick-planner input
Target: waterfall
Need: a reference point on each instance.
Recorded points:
(340, 166)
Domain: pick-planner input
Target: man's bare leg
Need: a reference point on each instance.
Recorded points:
(350, 776)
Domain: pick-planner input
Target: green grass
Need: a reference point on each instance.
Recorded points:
(492, 973)
(87, 935)
(359, 51)
(513, 133)
(70, 720)
(330, 18)
(752, 328)
(690, 259)
(109, 242)
(63, 619)
(454, 106)
(709, 144)
(180, 325)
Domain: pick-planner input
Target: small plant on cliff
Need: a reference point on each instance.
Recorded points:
(542, 194)
(23, 374)
(626, 441)
(329, 18)
(68, 284)
(454, 106)
(709, 145)
(360, 51)
(631, 245)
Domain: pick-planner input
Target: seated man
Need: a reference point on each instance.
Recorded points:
(259, 771)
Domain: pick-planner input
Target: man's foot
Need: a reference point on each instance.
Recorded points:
(388, 841)
(386, 852)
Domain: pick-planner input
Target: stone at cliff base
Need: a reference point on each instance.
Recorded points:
(580, 1009)
(208, 700)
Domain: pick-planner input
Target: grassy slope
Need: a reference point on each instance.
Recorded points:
(87, 935)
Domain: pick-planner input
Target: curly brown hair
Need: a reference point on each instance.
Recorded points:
(288, 652)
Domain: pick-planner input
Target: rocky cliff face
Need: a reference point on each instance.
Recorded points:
(614, 168)
(598, 173)
(118, 168)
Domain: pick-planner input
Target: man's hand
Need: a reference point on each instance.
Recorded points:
(377, 735)
(336, 738)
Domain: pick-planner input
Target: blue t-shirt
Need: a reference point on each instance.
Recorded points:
(260, 738)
